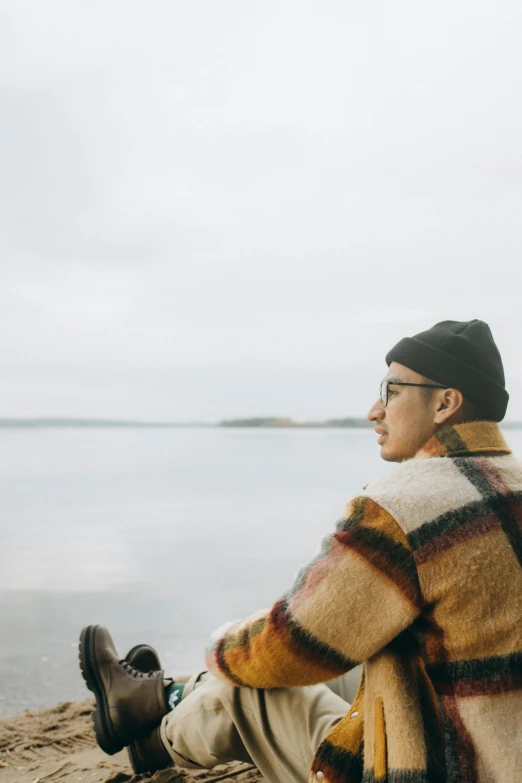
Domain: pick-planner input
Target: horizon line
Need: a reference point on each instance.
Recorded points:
(254, 422)
(96, 420)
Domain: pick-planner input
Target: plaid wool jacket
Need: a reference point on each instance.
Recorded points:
(422, 582)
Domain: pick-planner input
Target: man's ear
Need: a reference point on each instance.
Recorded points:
(449, 403)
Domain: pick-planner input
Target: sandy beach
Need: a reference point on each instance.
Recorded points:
(58, 744)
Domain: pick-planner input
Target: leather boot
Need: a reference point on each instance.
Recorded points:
(128, 702)
(144, 657)
(147, 754)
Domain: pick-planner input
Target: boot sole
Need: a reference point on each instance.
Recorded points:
(106, 736)
(135, 764)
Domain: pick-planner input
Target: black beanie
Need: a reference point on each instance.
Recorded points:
(461, 355)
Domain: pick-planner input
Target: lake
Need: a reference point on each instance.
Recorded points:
(160, 534)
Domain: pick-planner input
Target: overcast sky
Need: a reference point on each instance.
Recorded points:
(214, 209)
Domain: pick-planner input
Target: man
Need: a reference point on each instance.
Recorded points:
(421, 582)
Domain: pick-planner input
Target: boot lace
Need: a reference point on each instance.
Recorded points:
(136, 673)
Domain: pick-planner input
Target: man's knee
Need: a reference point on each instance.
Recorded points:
(200, 731)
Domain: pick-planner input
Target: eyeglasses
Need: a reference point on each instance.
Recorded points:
(385, 384)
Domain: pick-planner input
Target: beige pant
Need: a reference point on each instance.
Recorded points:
(277, 730)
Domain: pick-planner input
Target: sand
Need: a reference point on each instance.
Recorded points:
(58, 744)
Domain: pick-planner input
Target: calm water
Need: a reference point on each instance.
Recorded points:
(161, 535)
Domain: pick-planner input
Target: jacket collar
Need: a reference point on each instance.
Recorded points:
(465, 440)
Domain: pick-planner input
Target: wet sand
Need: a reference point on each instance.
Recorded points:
(58, 744)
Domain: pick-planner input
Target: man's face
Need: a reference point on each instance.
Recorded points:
(407, 422)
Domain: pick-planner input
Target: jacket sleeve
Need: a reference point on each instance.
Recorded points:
(349, 602)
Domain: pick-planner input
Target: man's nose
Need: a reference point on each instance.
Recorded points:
(376, 412)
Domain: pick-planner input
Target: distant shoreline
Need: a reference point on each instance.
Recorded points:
(272, 422)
